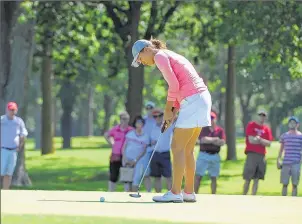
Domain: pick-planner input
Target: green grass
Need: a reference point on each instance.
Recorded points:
(48, 219)
(85, 168)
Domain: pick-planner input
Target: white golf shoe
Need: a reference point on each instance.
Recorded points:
(169, 197)
(189, 197)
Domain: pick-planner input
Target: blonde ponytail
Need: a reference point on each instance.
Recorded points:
(158, 44)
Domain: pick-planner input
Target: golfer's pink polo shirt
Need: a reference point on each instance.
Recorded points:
(181, 76)
(119, 136)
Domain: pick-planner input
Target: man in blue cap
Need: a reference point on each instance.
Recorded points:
(291, 145)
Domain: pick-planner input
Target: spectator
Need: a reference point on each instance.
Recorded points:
(149, 120)
(13, 133)
(149, 124)
(291, 145)
(116, 138)
(133, 151)
(161, 161)
(211, 139)
(258, 137)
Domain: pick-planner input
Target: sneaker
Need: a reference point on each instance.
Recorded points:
(169, 197)
(189, 197)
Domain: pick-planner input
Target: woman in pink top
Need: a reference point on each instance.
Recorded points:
(187, 94)
(116, 137)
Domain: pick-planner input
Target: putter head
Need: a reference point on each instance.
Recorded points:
(135, 195)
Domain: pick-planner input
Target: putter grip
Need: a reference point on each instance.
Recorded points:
(165, 125)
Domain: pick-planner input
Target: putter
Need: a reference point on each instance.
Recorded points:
(138, 195)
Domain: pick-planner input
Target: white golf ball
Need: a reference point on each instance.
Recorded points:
(102, 199)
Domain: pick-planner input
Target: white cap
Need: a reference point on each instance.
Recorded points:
(262, 111)
(150, 103)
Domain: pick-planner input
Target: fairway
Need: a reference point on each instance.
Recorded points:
(73, 206)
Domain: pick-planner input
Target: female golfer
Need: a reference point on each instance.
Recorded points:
(187, 93)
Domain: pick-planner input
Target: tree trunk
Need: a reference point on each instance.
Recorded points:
(66, 125)
(246, 115)
(135, 75)
(90, 111)
(17, 86)
(46, 89)
(81, 124)
(9, 14)
(37, 86)
(68, 97)
(230, 106)
(274, 120)
(220, 107)
(109, 105)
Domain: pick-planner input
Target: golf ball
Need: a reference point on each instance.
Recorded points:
(102, 199)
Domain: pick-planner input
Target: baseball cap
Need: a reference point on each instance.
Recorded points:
(293, 118)
(262, 111)
(12, 106)
(213, 115)
(137, 47)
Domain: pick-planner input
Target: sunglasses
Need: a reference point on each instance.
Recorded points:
(263, 115)
(212, 118)
(159, 115)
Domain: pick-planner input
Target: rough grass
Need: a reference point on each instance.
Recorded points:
(48, 219)
(85, 168)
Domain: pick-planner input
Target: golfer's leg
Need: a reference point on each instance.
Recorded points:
(180, 140)
(190, 162)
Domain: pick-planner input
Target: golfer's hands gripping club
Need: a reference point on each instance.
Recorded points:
(168, 115)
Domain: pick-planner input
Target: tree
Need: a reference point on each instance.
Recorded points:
(127, 21)
(10, 12)
(17, 31)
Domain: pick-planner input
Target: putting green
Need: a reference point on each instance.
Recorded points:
(209, 208)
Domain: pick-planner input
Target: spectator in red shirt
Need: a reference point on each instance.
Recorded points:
(258, 136)
(211, 139)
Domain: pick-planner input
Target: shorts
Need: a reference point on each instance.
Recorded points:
(195, 111)
(290, 170)
(161, 165)
(208, 162)
(8, 161)
(114, 168)
(254, 167)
